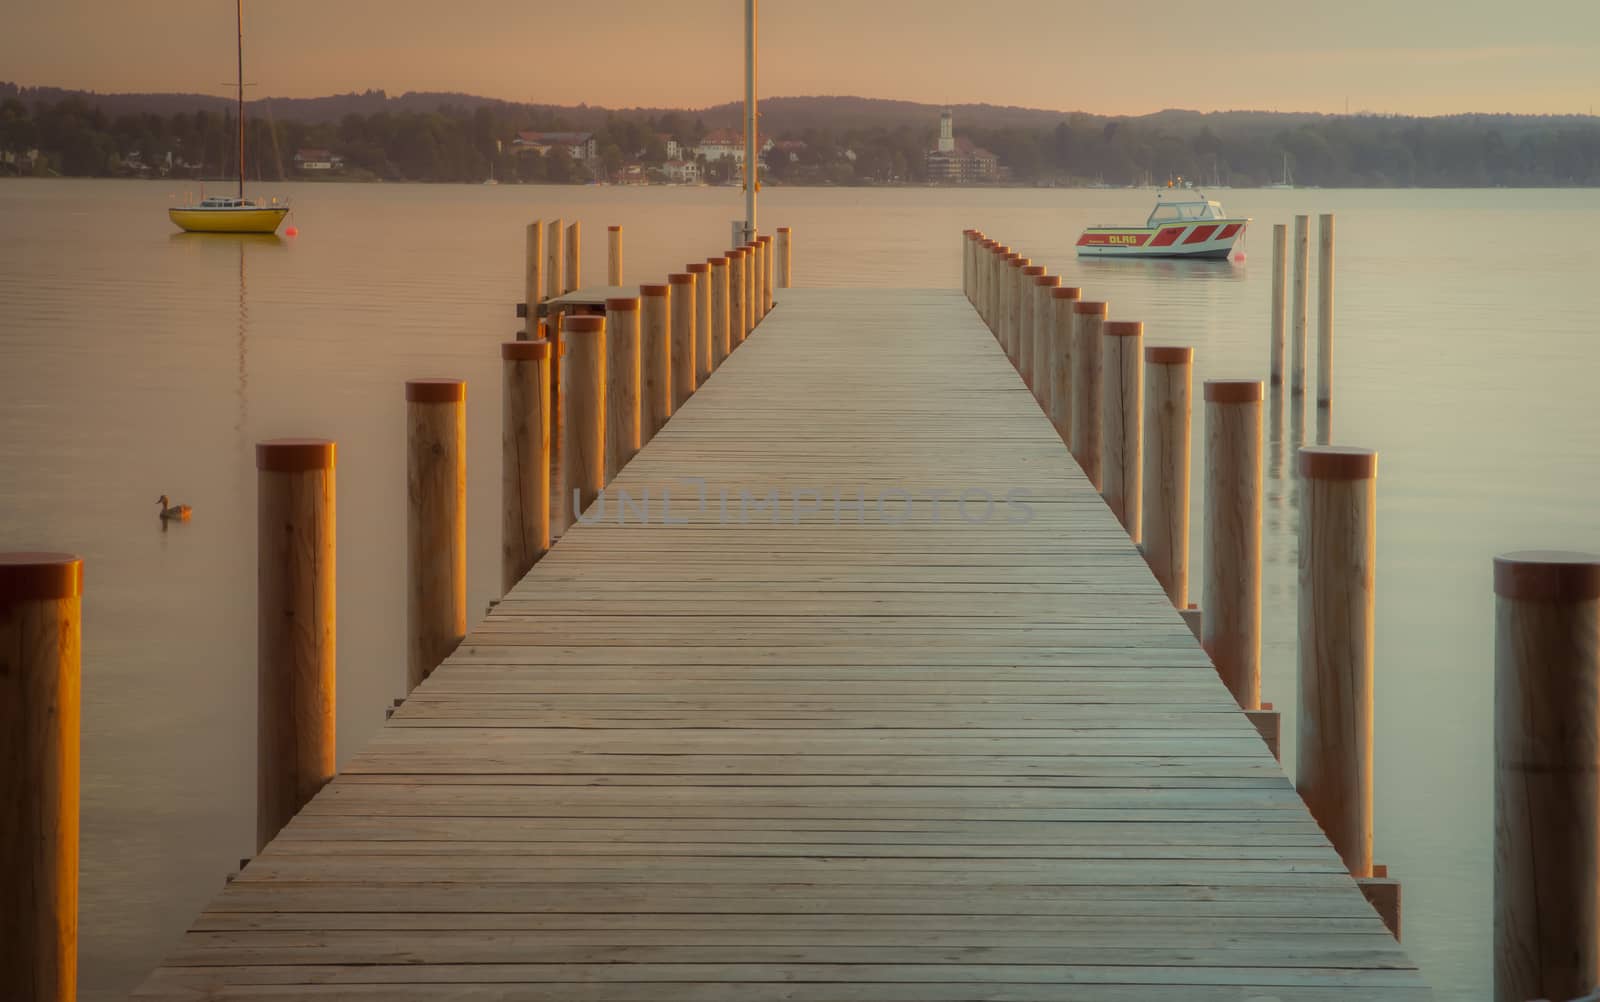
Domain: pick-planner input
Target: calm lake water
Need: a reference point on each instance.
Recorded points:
(136, 361)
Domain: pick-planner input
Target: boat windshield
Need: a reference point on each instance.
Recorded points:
(1170, 212)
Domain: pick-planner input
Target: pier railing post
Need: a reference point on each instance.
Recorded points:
(533, 277)
(574, 273)
(436, 537)
(1297, 311)
(1059, 365)
(1013, 318)
(583, 429)
(41, 649)
(1121, 418)
(613, 255)
(524, 458)
(1325, 310)
(999, 255)
(736, 287)
(553, 258)
(767, 252)
(685, 378)
(655, 350)
(752, 287)
(701, 273)
(553, 285)
(623, 379)
(1026, 301)
(1168, 396)
(721, 312)
(966, 263)
(1088, 318)
(1547, 758)
(1230, 628)
(296, 559)
(1044, 325)
(785, 256)
(985, 278)
(1280, 269)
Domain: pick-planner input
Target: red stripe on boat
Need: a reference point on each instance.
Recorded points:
(1167, 237)
(1200, 234)
(1228, 231)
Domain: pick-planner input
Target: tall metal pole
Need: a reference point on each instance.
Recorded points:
(239, 12)
(752, 171)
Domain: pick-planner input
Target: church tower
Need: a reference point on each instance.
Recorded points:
(947, 132)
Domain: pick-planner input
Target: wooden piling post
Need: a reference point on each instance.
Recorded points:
(758, 253)
(574, 274)
(752, 287)
(533, 277)
(1547, 760)
(1025, 326)
(524, 458)
(1121, 420)
(1044, 326)
(623, 379)
(966, 263)
(436, 523)
(1088, 318)
(41, 647)
(553, 259)
(721, 314)
(1230, 630)
(767, 252)
(736, 331)
(998, 256)
(1297, 311)
(701, 273)
(1168, 372)
(583, 427)
(684, 338)
(655, 356)
(613, 255)
(1013, 317)
(1325, 309)
(1280, 268)
(985, 278)
(1338, 551)
(1065, 299)
(785, 256)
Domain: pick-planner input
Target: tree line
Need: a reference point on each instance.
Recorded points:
(75, 137)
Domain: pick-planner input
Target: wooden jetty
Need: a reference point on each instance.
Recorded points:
(807, 733)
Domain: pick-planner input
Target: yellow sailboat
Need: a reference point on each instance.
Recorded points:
(232, 214)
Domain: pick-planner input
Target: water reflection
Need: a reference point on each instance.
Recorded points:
(1166, 269)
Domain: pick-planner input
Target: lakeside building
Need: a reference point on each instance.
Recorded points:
(578, 145)
(959, 161)
(681, 171)
(319, 161)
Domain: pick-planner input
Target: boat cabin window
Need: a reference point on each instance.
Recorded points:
(1164, 213)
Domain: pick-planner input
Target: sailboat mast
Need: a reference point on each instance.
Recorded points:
(239, 12)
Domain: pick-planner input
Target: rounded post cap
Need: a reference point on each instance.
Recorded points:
(1034, 269)
(623, 304)
(524, 351)
(968, 233)
(436, 391)
(784, 229)
(295, 455)
(1123, 328)
(734, 252)
(1169, 354)
(1090, 308)
(1337, 462)
(39, 577)
(765, 238)
(651, 290)
(1047, 281)
(613, 229)
(1002, 248)
(716, 262)
(1234, 391)
(699, 269)
(1067, 292)
(1018, 261)
(1547, 576)
(583, 323)
(680, 278)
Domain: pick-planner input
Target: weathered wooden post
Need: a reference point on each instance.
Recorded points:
(1065, 300)
(583, 428)
(1000, 269)
(1280, 268)
(1547, 775)
(524, 458)
(1167, 408)
(985, 280)
(785, 256)
(41, 649)
(623, 380)
(966, 263)
(533, 277)
(295, 627)
(701, 272)
(1230, 629)
(1088, 318)
(655, 351)
(1338, 551)
(1025, 304)
(1121, 417)
(767, 252)
(736, 331)
(1044, 325)
(1013, 319)
(574, 275)
(1325, 309)
(758, 254)
(613, 255)
(684, 340)
(1297, 314)
(553, 258)
(436, 523)
(752, 287)
(721, 314)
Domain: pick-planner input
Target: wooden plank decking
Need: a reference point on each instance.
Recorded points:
(899, 756)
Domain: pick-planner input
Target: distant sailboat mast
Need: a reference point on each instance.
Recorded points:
(239, 14)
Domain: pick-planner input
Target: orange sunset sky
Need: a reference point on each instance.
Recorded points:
(1402, 56)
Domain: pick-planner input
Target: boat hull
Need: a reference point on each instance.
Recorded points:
(251, 219)
(1206, 239)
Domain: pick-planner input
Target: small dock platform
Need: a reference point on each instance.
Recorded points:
(809, 734)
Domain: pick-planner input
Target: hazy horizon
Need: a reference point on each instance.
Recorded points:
(1473, 56)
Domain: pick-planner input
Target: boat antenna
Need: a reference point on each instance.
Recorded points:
(239, 12)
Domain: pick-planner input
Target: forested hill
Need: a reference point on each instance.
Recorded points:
(837, 140)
